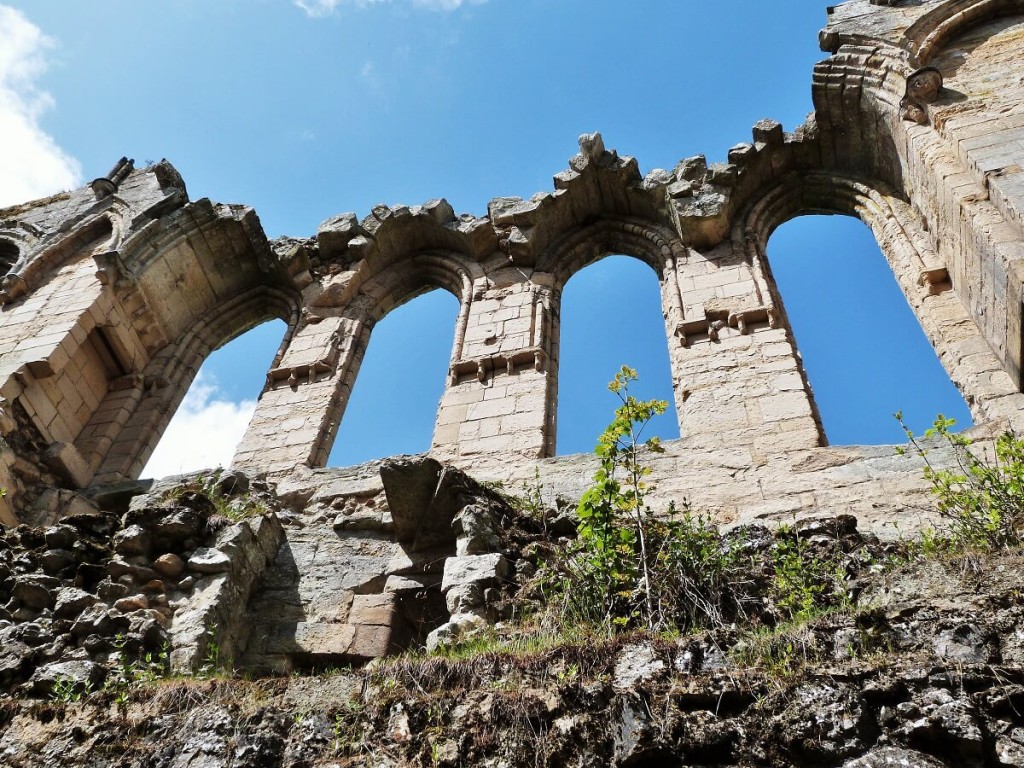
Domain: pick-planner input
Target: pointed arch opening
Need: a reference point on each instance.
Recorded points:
(864, 351)
(394, 402)
(215, 411)
(610, 316)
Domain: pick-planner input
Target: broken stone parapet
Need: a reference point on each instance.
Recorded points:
(467, 579)
(214, 615)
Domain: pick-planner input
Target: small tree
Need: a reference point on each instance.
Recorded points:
(628, 567)
(616, 553)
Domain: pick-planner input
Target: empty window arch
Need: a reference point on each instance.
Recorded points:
(863, 349)
(394, 402)
(213, 416)
(610, 316)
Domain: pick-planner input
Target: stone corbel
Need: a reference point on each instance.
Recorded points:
(12, 287)
(305, 373)
(128, 381)
(935, 279)
(680, 333)
(301, 374)
(713, 322)
(923, 88)
(109, 268)
(742, 319)
(479, 367)
(688, 329)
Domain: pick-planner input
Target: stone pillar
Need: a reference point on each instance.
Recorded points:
(299, 411)
(735, 368)
(500, 394)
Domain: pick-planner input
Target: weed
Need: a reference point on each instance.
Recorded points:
(211, 659)
(804, 584)
(781, 651)
(570, 674)
(531, 501)
(614, 550)
(347, 729)
(234, 508)
(67, 690)
(133, 673)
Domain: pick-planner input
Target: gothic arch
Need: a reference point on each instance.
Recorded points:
(649, 242)
(906, 246)
(654, 244)
(937, 28)
(147, 405)
(404, 280)
(400, 281)
(29, 271)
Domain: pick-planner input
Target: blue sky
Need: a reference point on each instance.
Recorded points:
(307, 109)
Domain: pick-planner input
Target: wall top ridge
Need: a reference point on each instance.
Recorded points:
(695, 200)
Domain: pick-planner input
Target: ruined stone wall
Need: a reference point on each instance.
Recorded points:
(116, 293)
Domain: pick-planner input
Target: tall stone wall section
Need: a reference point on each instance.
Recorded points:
(116, 293)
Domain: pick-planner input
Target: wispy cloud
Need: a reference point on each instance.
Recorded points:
(319, 9)
(31, 164)
(203, 433)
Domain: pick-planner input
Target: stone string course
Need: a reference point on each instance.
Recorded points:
(118, 291)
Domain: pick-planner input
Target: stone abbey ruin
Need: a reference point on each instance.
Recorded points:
(115, 293)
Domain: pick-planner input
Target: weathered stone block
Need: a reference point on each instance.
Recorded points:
(470, 569)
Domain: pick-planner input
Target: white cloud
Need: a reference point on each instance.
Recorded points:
(31, 163)
(446, 5)
(319, 9)
(203, 434)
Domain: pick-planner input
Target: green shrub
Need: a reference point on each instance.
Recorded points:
(67, 690)
(980, 497)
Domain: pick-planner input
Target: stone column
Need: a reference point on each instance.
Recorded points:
(299, 411)
(500, 395)
(735, 368)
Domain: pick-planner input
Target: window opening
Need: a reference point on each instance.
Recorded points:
(212, 418)
(863, 349)
(610, 316)
(8, 256)
(393, 406)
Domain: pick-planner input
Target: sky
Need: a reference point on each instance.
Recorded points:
(308, 108)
